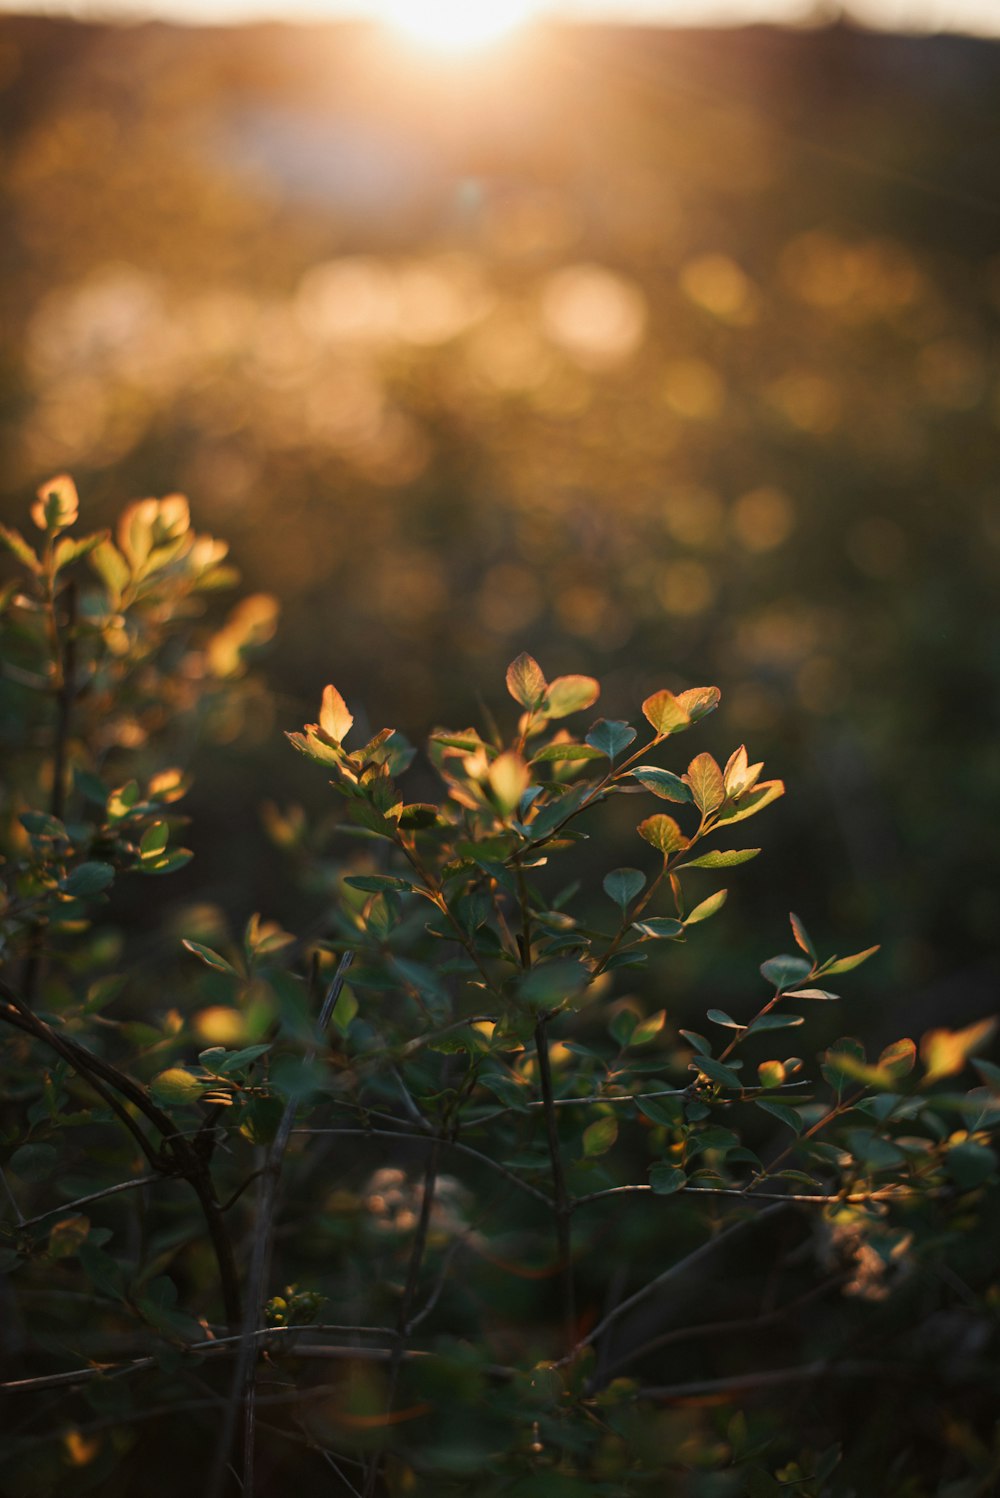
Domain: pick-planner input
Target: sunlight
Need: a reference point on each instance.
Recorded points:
(454, 26)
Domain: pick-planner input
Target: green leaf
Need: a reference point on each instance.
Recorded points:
(820, 994)
(775, 1022)
(526, 681)
(209, 958)
(662, 783)
(177, 1086)
(622, 886)
(166, 863)
(899, 1058)
(261, 1119)
(233, 1061)
(782, 1112)
(610, 736)
(599, 1136)
(751, 802)
(720, 1017)
(666, 1179)
(567, 752)
(16, 543)
(727, 860)
(707, 908)
(847, 964)
(87, 880)
(785, 970)
(802, 936)
(570, 694)
(418, 814)
(622, 1025)
(373, 883)
(704, 777)
(665, 713)
(659, 927)
(68, 550)
(874, 1151)
(33, 1162)
(647, 1029)
(717, 1071)
(662, 833)
(154, 840)
(549, 984)
(970, 1164)
(659, 1110)
(699, 1042)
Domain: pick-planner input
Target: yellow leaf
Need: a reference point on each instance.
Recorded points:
(945, 1052)
(334, 718)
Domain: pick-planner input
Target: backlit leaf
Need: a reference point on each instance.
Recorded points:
(802, 935)
(754, 801)
(334, 717)
(570, 694)
(899, 1058)
(946, 1052)
(509, 777)
(771, 1073)
(662, 833)
(727, 860)
(175, 1085)
(555, 752)
(707, 908)
(847, 964)
(666, 713)
(705, 779)
(526, 681)
(698, 702)
(647, 1029)
(775, 1022)
(599, 1136)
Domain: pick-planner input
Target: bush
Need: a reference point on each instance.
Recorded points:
(425, 1199)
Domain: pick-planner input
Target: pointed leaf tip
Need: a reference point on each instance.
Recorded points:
(334, 717)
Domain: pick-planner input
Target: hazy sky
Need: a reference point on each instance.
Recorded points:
(982, 16)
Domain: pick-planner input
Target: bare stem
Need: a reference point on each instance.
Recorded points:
(562, 1204)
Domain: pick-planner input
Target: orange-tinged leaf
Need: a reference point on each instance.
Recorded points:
(508, 778)
(663, 833)
(802, 935)
(753, 801)
(707, 786)
(570, 694)
(698, 702)
(334, 717)
(666, 713)
(946, 1052)
(899, 1058)
(57, 504)
(526, 681)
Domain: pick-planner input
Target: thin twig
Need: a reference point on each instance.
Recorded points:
(887, 1193)
(674, 1271)
(453, 1144)
(774, 1377)
(562, 1204)
(95, 1196)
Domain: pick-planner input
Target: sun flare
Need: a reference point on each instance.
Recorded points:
(455, 26)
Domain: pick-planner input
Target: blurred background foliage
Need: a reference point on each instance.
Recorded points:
(669, 356)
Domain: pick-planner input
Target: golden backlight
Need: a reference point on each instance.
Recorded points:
(454, 26)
